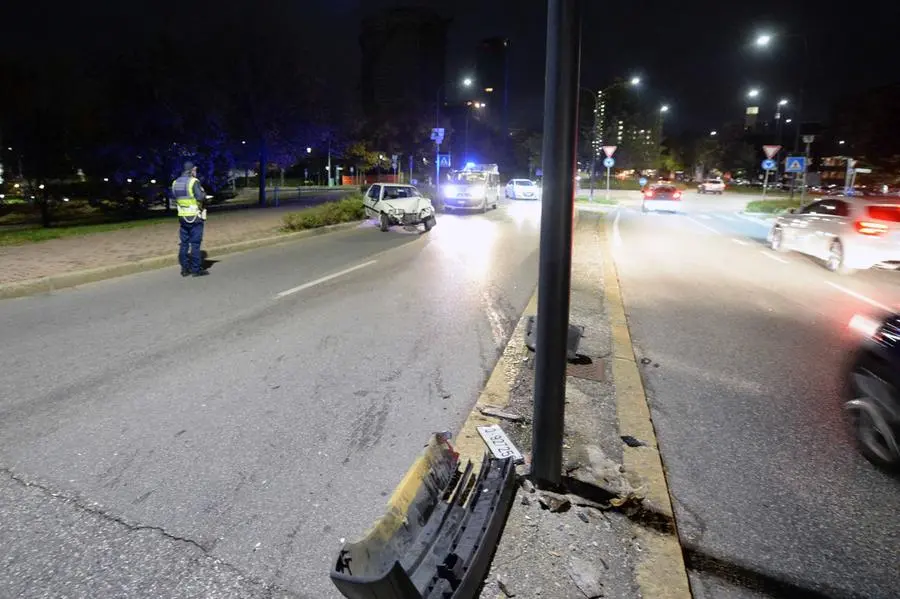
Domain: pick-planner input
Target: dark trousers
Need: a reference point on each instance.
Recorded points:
(191, 235)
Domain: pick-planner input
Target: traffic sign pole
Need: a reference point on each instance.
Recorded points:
(608, 169)
(766, 183)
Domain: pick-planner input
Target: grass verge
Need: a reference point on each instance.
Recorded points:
(600, 201)
(331, 213)
(38, 234)
(771, 206)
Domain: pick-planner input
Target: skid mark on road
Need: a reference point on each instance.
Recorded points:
(859, 296)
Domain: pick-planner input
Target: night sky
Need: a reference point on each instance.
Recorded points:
(696, 56)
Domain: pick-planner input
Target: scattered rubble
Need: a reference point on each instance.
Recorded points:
(554, 501)
(504, 587)
(498, 412)
(632, 441)
(586, 577)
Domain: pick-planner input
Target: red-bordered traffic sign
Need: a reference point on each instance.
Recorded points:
(771, 151)
(609, 150)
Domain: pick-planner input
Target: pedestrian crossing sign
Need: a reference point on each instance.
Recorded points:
(795, 164)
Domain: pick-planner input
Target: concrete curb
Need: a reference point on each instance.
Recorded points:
(496, 391)
(661, 573)
(81, 277)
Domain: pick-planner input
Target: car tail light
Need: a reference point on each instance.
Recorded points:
(677, 195)
(648, 194)
(866, 227)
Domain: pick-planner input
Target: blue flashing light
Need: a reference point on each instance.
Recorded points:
(470, 165)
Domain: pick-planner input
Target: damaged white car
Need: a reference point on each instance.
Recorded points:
(398, 204)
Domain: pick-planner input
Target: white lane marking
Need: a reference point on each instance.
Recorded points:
(859, 296)
(740, 241)
(705, 216)
(617, 235)
(697, 222)
(725, 217)
(770, 256)
(324, 279)
(753, 219)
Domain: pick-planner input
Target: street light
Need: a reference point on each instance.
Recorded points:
(468, 82)
(789, 121)
(842, 142)
(753, 93)
(763, 40)
(664, 108)
(713, 133)
(782, 102)
(308, 150)
(635, 81)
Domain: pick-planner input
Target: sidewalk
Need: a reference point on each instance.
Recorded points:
(606, 535)
(59, 256)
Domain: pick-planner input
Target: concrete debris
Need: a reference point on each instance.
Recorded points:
(586, 577)
(528, 485)
(525, 500)
(645, 360)
(500, 413)
(554, 501)
(584, 517)
(504, 587)
(632, 441)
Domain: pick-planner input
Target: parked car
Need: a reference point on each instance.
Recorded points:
(715, 185)
(847, 233)
(396, 204)
(871, 392)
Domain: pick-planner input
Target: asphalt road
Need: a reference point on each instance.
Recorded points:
(745, 351)
(169, 437)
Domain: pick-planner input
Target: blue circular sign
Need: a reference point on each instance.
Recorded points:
(768, 164)
(608, 162)
(642, 181)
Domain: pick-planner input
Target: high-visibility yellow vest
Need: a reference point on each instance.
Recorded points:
(183, 190)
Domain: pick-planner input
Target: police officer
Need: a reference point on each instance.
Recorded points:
(190, 198)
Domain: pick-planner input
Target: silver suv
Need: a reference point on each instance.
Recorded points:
(848, 233)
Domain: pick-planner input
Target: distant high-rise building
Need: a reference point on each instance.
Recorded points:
(403, 62)
(621, 122)
(492, 73)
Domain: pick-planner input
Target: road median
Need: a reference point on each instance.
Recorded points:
(610, 530)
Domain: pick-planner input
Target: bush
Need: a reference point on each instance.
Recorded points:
(346, 210)
(771, 206)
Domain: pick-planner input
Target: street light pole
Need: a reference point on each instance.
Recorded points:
(554, 280)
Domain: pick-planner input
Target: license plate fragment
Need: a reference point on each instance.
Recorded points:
(499, 444)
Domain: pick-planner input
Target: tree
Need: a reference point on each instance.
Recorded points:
(868, 122)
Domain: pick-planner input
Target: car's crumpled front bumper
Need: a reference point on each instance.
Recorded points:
(410, 219)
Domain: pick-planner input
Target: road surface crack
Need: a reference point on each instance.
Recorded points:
(269, 589)
(96, 511)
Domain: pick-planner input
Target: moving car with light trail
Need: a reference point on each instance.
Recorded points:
(397, 204)
(475, 187)
(847, 233)
(872, 399)
(522, 189)
(661, 197)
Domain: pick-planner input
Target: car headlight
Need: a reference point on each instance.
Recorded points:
(450, 191)
(397, 211)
